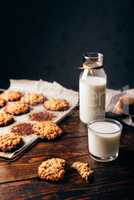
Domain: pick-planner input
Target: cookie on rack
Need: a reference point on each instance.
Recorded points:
(10, 95)
(83, 169)
(47, 129)
(33, 99)
(23, 128)
(52, 169)
(5, 119)
(56, 104)
(41, 116)
(10, 141)
(2, 102)
(17, 108)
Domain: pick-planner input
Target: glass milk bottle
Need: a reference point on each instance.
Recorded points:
(92, 88)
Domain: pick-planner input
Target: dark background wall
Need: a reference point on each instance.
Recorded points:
(47, 39)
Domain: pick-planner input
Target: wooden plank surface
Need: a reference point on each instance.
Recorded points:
(114, 180)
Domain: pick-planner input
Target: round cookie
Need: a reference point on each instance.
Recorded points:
(17, 108)
(22, 129)
(52, 169)
(47, 129)
(41, 116)
(2, 102)
(33, 99)
(56, 104)
(5, 119)
(10, 95)
(10, 141)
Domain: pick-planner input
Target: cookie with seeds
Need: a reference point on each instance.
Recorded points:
(10, 141)
(52, 169)
(10, 95)
(47, 129)
(56, 104)
(2, 102)
(41, 116)
(5, 119)
(23, 128)
(83, 169)
(17, 108)
(33, 99)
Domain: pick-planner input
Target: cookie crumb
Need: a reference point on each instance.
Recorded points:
(41, 116)
(23, 128)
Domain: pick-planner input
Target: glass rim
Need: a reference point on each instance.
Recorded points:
(93, 54)
(106, 120)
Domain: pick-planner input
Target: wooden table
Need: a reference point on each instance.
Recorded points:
(114, 180)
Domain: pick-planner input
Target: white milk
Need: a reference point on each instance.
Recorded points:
(104, 139)
(92, 98)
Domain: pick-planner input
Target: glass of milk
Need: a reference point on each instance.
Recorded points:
(92, 88)
(104, 139)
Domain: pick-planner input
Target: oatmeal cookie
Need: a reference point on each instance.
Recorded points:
(52, 169)
(33, 98)
(10, 95)
(83, 169)
(10, 141)
(56, 104)
(2, 102)
(23, 129)
(5, 119)
(41, 116)
(47, 129)
(17, 108)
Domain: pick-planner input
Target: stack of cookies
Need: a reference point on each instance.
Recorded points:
(17, 109)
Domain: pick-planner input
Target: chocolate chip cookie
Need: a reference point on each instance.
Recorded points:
(47, 129)
(52, 169)
(10, 141)
(56, 104)
(17, 108)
